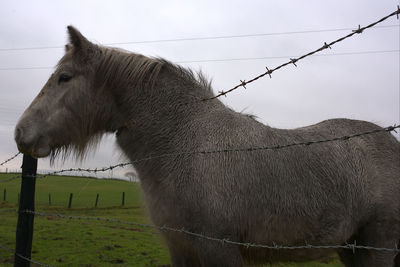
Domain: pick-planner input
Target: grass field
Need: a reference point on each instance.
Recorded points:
(84, 191)
(72, 242)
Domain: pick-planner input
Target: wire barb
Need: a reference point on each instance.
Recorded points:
(293, 61)
(326, 46)
(359, 30)
(220, 93)
(392, 128)
(269, 72)
(398, 11)
(243, 83)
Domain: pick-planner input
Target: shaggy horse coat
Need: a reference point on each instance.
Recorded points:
(324, 194)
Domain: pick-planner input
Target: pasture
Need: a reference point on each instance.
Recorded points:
(84, 191)
(72, 242)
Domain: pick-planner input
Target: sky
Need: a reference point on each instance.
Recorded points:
(228, 41)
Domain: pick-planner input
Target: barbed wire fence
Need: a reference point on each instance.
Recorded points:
(243, 83)
(274, 246)
(224, 240)
(216, 151)
(23, 257)
(202, 236)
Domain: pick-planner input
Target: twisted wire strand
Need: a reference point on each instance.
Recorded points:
(10, 159)
(24, 258)
(222, 240)
(205, 152)
(293, 61)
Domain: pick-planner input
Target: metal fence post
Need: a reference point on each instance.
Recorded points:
(24, 233)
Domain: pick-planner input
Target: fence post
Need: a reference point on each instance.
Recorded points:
(24, 233)
(4, 195)
(97, 200)
(123, 198)
(49, 199)
(70, 200)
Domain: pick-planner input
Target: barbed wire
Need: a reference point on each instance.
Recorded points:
(223, 240)
(8, 210)
(205, 152)
(248, 149)
(11, 178)
(9, 159)
(23, 257)
(293, 61)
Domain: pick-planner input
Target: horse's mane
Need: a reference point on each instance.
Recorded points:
(140, 71)
(130, 68)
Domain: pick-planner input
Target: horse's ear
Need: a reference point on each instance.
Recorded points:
(76, 39)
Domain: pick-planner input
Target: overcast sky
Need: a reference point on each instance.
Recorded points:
(358, 78)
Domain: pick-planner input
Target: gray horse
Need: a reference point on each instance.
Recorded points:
(329, 193)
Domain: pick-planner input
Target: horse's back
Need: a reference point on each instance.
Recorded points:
(378, 149)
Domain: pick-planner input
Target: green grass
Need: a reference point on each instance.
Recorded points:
(71, 242)
(84, 191)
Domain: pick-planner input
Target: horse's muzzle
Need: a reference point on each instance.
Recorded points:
(30, 143)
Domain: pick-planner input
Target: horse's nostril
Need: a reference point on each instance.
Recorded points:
(23, 144)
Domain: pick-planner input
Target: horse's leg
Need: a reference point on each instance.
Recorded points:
(397, 258)
(347, 257)
(181, 254)
(180, 259)
(378, 234)
(203, 253)
(212, 253)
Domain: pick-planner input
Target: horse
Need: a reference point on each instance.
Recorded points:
(196, 173)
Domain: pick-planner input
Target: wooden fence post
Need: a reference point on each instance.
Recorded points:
(97, 200)
(24, 232)
(70, 201)
(5, 194)
(49, 199)
(123, 198)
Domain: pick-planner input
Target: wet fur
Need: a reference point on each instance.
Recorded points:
(323, 194)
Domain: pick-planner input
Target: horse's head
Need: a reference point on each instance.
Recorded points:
(70, 109)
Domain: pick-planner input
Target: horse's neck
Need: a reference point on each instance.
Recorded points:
(156, 118)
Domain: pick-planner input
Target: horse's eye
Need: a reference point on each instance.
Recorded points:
(64, 78)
